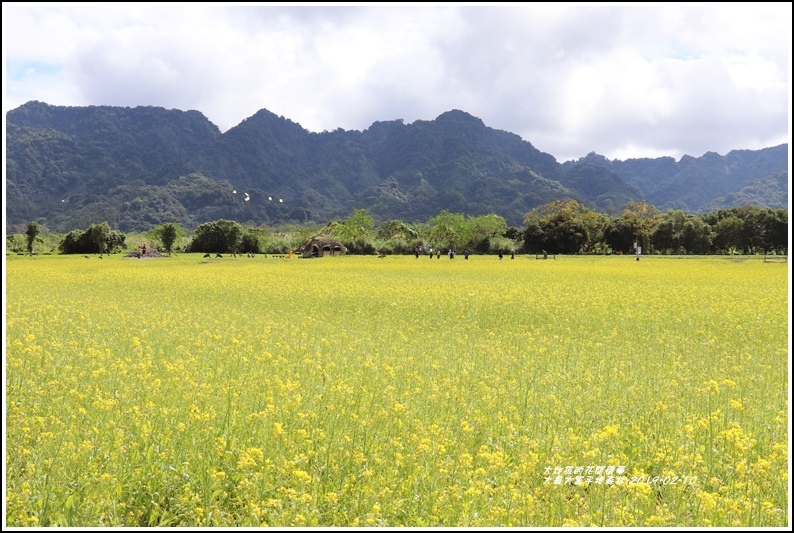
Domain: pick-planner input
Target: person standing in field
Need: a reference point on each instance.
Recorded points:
(500, 255)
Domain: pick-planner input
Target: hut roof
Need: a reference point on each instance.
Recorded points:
(321, 243)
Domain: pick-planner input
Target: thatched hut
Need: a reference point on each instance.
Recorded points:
(320, 247)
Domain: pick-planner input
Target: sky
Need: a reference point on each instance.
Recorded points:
(622, 80)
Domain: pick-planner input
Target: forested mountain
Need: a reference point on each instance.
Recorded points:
(770, 191)
(697, 185)
(69, 167)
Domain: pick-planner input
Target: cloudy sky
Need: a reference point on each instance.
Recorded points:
(621, 80)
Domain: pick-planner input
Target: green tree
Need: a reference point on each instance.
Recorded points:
(396, 229)
(98, 234)
(697, 236)
(533, 233)
(642, 218)
(448, 230)
(72, 242)
(219, 236)
(668, 234)
(728, 234)
(562, 227)
(15, 243)
(98, 238)
(253, 241)
(777, 232)
(168, 233)
(356, 228)
(397, 237)
(355, 232)
(478, 232)
(595, 225)
(754, 230)
(770, 226)
(115, 241)
(619, 234)
(750, 228)
(32, 233)
(168, 236)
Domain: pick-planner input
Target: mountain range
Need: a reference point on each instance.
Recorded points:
(69, 167)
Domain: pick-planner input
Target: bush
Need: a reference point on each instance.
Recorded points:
(360, 247)
(501, 243)
(85, 242)
(396, 247)
(220, 236)
(15, 243)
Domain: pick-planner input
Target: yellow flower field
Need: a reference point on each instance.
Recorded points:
(357, 391)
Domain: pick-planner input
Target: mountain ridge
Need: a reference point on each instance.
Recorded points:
(138, 167)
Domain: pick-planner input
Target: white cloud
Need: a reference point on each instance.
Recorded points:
(632, 80)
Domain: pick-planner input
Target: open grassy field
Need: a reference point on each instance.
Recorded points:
(358, 391)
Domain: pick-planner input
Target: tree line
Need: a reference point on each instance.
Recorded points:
(557, 227)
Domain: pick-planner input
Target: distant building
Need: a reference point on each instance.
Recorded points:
(320, 247)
